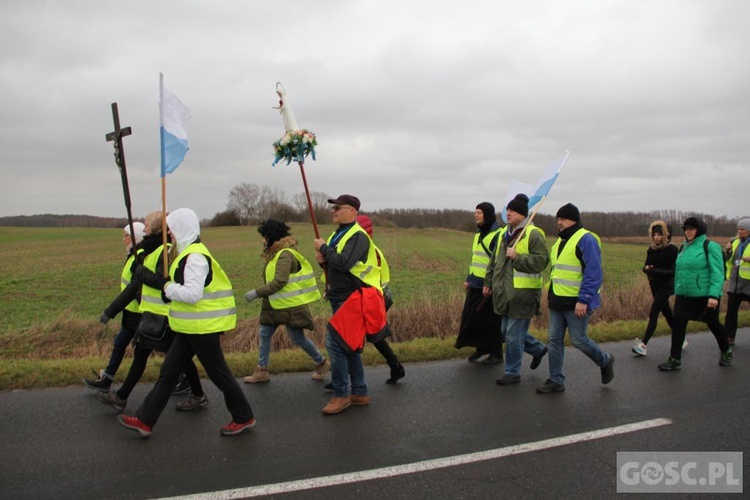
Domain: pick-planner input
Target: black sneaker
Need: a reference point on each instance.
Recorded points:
(101, 383)
(670, 364)
(508, 379)
(537, 360)
(328, 387)
(192, 403)
(726, 357)
(397, 373)
(550, 386)
(182, 387)
(608, 372)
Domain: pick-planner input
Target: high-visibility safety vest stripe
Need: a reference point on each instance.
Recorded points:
(125, 278)
(385, 269)
(369, 271)
(744, 271)
(567, 272)
(525, 280)
(215, 311)
(300, 289)
(151, 297)
(479, 258)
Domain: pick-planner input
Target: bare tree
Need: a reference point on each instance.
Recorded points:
(319, 202)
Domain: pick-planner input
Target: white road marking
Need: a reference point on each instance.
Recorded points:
(426, 465)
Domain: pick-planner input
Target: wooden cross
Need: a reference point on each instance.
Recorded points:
(116, 137)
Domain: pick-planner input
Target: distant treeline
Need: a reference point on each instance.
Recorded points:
(606, 224)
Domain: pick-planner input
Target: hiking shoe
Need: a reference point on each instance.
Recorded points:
(670, 364)
(608, 372)
(397, 373)
(328, 387)
(337, 405)
(537, 360)
(508, 379)
(192, 402)
(639, 347)
(259, 375)
(492, 359)
(100, 383)
(132, 423)
(182, 386)
(321, 370)
(233, 428)
(550, 386)
(726, 357)
(357, 400)
(112, 399)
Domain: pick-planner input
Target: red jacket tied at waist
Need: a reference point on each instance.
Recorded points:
(360, 317)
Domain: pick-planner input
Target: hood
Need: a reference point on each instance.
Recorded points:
(664, 231)
(185, 227)
(277, 246)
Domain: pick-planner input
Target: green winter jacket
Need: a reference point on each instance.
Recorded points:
(698, 275)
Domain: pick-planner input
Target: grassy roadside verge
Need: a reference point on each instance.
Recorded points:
(23, 374)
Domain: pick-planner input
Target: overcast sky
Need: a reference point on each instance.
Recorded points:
(416, 104)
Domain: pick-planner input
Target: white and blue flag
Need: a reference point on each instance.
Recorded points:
(172, 120)
(537, 191)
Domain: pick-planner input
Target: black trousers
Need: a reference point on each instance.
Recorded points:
(385, 350)
(734, 300)
(688, 309)
(207, 347)
(660, 305)
(138, 366)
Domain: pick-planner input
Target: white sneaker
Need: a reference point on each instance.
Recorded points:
(639, 347)
(685, 344)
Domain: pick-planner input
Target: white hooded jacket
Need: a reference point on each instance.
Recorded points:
(185, 228)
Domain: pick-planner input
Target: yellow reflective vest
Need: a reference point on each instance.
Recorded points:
(215, 312)
(125, 278)
(567, 272)
(480, 258)
(744, 270)
(520, 279)
(301, 288)
(369, 271)
(151, 297)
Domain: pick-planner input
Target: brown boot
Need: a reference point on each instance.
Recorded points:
(359, 400)
(259, 375)
(337, 405)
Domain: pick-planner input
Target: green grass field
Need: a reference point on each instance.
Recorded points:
(55, 283)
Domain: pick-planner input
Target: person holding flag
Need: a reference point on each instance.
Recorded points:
(201, 309)
(575, 283)
(514, 283)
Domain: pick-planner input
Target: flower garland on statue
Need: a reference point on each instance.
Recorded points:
(295, 145)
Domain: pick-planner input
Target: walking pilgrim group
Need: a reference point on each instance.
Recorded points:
(184, 312)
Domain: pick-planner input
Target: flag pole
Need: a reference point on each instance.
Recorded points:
(164, 253)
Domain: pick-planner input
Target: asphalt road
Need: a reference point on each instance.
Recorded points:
(63, 443)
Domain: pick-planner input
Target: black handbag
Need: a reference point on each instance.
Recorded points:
(153, 326)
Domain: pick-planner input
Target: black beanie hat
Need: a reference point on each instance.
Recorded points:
(569, 212)
(273, 230)
(519, 204)
(697, 223)
(488, 209)
(657, 230)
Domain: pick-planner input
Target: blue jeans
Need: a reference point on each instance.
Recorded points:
(123, 338)
(298, 337)
(518, 341)
(345, 367)
(559, 320)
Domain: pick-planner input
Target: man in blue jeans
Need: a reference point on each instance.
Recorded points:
(514, 282)
(575, 281)
(351, 265)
